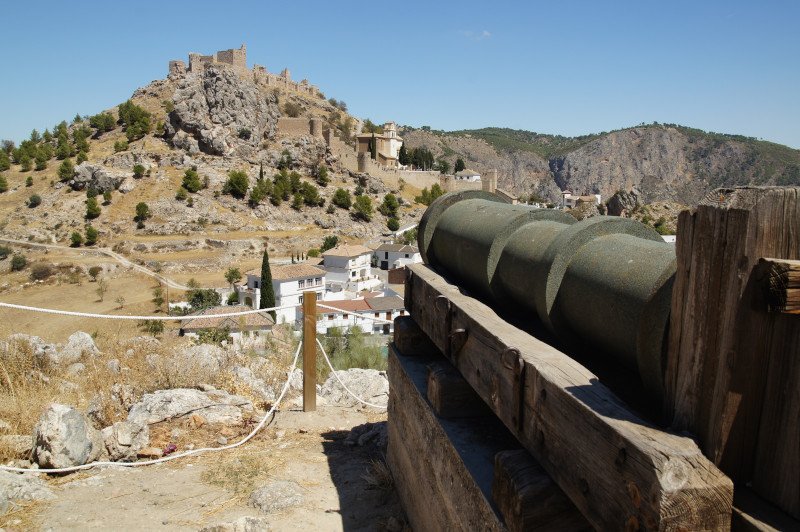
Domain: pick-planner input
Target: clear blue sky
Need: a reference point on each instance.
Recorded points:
(569, 67)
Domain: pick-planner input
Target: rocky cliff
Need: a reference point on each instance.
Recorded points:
(663, 162)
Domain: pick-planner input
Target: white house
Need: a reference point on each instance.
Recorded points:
(289, 281)
(348, 267)
(570, 201)
(467, 175)
(248, 325)
(370, 314)
(389, 256)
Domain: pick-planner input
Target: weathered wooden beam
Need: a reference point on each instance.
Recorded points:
(410, 339)
(732, 369)
(619, 470)
(751, 513)
(451, 395)
(309, 351)
(781, 282)
(528, 498)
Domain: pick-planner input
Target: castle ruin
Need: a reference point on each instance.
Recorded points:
(237, 60)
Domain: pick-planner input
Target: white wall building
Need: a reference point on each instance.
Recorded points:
(348, 267)
(467, 175)
(570, 201)
(370, 314)
(289, 281)
(389, 256)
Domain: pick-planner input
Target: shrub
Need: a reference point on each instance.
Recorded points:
(237, 184)
(202, 298)
(34, 201)
(76, 238)
(233, 299)
(245, 133)
(285, 162)
(41, 160)
(329, 242)
(3, 184)
(5, 251)
(25, 162)
(18, 262)
(341, 198)
(82, 157)
(66, 170)
(191, 181)
(5, 162)
(136, 120)
(181, 195)
(92, 208)
(393, 224)
(91, 235)
(362, 208)
(102, 122)
(29, 181)
(313, 252)
(138, 171)
(120, 145)
(389, 206)
(107, 197)
(322, 176)
(214, 336)
(152, 327)
(292, 109)
(41, 271)
(94, 271)
(142, 212)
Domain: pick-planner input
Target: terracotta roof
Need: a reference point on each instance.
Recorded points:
(400, 248)
(206, 319)
(386, 303)
(347, 250)
(285, 272)
(346, 305)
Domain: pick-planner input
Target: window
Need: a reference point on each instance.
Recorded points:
(318, 280)
(255, 284)
(386, 255)
(301, 283)
(353, 273)
(377, 314)
(406, 255)
(301, 300)
(330, 316)
(344, 316)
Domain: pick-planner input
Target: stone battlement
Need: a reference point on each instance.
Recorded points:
(237, 59)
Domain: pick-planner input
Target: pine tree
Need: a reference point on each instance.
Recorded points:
(267, 293)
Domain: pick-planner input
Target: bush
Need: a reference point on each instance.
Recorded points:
(322, 176)
(393, 224)
(82, 157)
(233, 299)
(34, 201)
(66, 170)
(292, 109)
(107, 197)
(91, 235)
(25, 162)
(5, 251)
(142, 212)
(3, 184)
(202, 298)
(76, 238)
(245, 133)
(94, 271)
(191, 181)
(41, 271)
(237, 184)
(181, 195)
(120, 145)
(389, 206)
(102, 122)
(92, 208)
(342, 199)
(136, 120)
(362, 208)
(29, 181)
(18, 262)
(313, 253)
(214, 336)
(138, 171)
(329, 242)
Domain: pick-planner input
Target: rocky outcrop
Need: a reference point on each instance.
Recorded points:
(219, 113)
(101, 178)
(216, 406)
(623, 203)
(16, 488)
(79, 345)
(370, 385)
(123, 440)
(63, 437)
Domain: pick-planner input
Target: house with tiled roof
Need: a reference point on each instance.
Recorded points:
(208, 319)
(349, 267)
(370, 314)
(390, 256)
(289, 281)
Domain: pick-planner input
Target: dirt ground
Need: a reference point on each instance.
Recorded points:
(343, 487)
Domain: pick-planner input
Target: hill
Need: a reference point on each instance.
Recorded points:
(665, 162)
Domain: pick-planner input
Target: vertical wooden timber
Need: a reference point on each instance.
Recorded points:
(733, 369)
(309, 351)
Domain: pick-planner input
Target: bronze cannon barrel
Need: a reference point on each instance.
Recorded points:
(603, 282)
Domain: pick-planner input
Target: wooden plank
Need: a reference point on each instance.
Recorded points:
(309, 351)
(410, 340)
(528, 498)
(781, 280)
(451, 395)
(452, 475)
(752, 513)
(619, 470)
(731, 372)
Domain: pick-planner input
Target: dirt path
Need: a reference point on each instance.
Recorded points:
(304, 448)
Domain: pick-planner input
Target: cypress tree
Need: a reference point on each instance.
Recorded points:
(267, 293)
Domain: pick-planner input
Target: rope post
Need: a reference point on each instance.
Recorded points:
(309, 351)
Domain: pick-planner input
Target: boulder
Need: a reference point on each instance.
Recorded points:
(63, 437)
(206, 357)
(370, 385)
(40, 349)
(78, 345)
(623, 203)
(215, 406)
(124, 440)
(98, 176)
(276, 495)
(259, 386)
(22, 487)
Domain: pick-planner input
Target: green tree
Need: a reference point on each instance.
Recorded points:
(443, 166)
(94, 271)
(5, 162)
(92, 208)
(237, 184)
(63, 150)
(158, 297)
(261, 190)
(152, 327)
(82, 157)
(267, 293)
(102, 122)
(25, 162)
(138, 171)
(41, 160)
(181, 195)
(18, 262)
(35, 137)
(232, 276)
(459, 165)
(142, 213)
(362, 208)
(285, 162)
(102, 288)
(402, 156)
(329, 242)
(107, 197)
(66, 170)
(91, 235)
(297, 202)
(77, 239)
(342, 199)
(3, 184)
(202, 298)
(29, 181)
(136, 120)
(393, 224)
(389, 206)
(322, 176)
(34, 201)
(120, 145)
(191, 180)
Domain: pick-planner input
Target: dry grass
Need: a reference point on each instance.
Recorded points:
(241, 472)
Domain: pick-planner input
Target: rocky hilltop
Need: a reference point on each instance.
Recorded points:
(663, 162)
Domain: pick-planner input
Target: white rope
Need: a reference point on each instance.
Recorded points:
(354, 396)
(172, 456)
(357, 315)
(127, 317)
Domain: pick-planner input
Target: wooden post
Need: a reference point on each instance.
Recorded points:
(309, 351)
